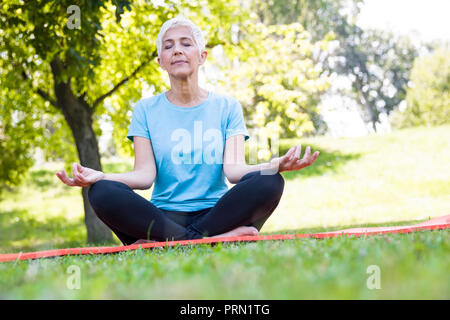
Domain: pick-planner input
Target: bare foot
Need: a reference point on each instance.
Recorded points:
(239, 231)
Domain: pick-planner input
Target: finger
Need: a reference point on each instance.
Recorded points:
(62, 175)
(80, 173)
(290, 153)
(298, 152)
(84, 181)
(287, 156)
(307, 159)
(75, 173)
(74, 169)
(74, 181)
(78, 177)
(307, 152)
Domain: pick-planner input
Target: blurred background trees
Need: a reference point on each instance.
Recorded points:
(58, 70)
(279, 58)
(428, 95)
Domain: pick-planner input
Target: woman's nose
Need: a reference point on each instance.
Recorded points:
(177, 48)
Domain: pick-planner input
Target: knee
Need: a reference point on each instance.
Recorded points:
(100, 193)
(272, 184)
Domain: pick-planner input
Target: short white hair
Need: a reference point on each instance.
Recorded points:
(180, 21)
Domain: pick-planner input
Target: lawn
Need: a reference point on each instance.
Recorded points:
(392, 179)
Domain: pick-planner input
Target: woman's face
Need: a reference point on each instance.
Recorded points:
(180, 56)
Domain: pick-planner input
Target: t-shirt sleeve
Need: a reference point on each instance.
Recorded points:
(138, 126)
(236, 124)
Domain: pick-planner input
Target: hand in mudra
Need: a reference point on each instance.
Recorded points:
(82, 176)
(291, 160)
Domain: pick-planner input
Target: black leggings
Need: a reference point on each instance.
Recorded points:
(131, 217)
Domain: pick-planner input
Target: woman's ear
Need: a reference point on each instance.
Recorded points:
(159, 62)
(203, 56)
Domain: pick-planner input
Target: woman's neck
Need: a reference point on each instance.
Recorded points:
(186, 95)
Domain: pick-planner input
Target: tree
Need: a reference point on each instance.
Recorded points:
(17, 133)
(318, 17)
(428, 95)
(60, 63)
(276, 80)
(376, 62)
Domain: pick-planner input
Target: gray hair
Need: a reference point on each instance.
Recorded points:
(181, 21)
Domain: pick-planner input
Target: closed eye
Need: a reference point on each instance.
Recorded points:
(186, 45)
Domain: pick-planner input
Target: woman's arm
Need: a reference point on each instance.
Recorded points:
(144, 172)
(141, 177)
(234, 164)
(235, 167)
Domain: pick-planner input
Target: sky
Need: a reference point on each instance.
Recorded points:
(423, 19)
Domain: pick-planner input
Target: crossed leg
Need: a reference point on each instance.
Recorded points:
(249, 203)
(242, 210)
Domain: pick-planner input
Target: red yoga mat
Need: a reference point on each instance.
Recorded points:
(433, 224)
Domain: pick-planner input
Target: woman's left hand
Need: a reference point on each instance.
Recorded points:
(291, 160)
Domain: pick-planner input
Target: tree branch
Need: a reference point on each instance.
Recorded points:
(46, 97)
(121, 82)
(39, 91)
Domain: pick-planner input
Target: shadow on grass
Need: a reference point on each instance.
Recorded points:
(41, 179)
(328, 161)
(21, 232)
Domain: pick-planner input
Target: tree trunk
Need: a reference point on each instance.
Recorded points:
(80, 121)
(78, 115)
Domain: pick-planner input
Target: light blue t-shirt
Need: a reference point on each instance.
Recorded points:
(188, 145)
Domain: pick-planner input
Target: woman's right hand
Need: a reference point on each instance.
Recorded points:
(82, 176)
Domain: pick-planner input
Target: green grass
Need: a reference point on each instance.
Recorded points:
(395, 179)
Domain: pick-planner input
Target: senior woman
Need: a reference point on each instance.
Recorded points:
(186, 141)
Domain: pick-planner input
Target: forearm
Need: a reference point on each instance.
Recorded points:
(134, 179)
(235, 172)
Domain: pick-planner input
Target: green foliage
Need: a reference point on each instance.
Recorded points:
(20, 129)
(274, 75)
(17, 135)
(133, 42)
(322, 20)
(318, 17)
(33, 33)
(105, 64)
(377, 63)
(428, 96)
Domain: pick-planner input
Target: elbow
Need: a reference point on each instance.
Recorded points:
(149, 182)
(146, 180)
(146, 186)
(231, 176)
(231, 180)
